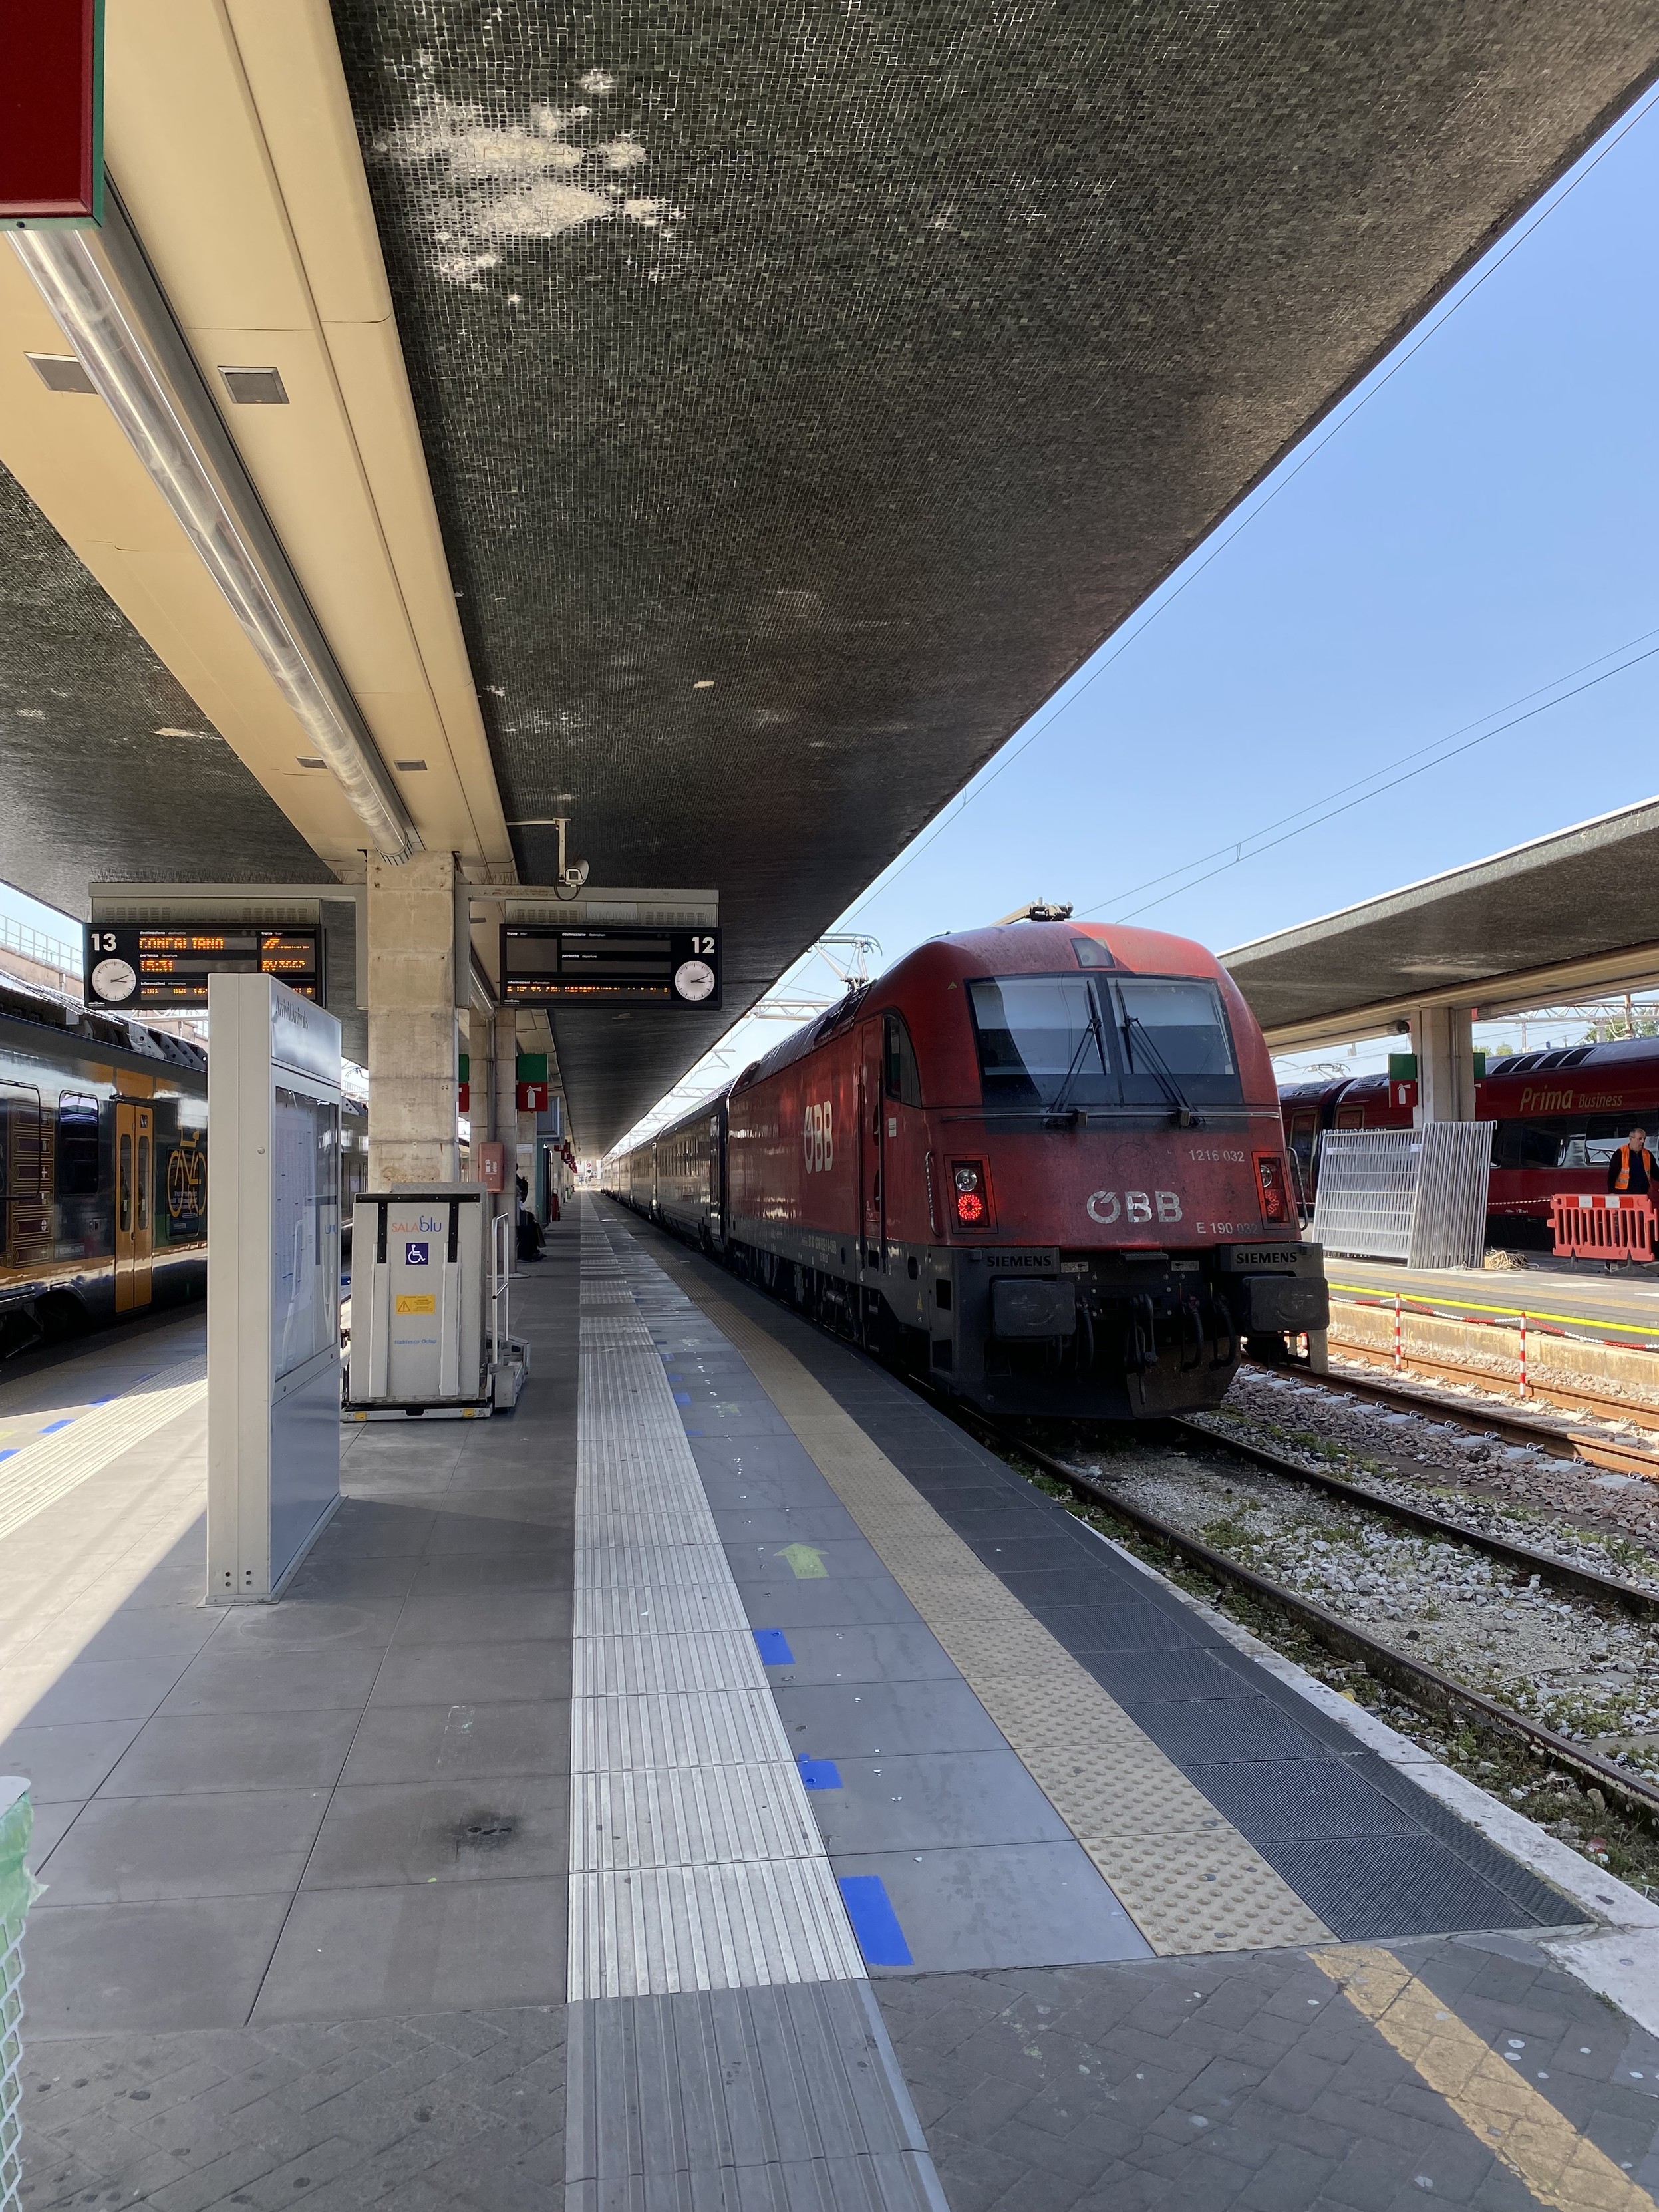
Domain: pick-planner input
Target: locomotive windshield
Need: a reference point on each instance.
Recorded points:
(1039, 1035)
(1098, 1041)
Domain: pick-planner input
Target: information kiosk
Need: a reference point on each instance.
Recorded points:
(273, 1282)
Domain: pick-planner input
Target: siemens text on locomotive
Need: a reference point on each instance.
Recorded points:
(1560, 1115)
(1042, 1163)
(103, 1167)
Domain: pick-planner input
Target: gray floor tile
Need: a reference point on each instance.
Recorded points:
(1395, 1885)
(834, 1559)
(130, 1850)
(172, 1632)
(853, 1602)
(104, 1690)
(354, 1953)
(527, 1568)
(833, 1721)
(316, 1678)
(744, 1525)
(306, 1624)
(485, 1617)
(1022, 1905)
(67, 1762)
(893, 1652)
(929, 1801)
(379, 1834)
(474, 1673)
(192, 1751)
(1134, 1677)
(98, 1968)
(461, 1742)
(1210, 1731)
(353, 1575)
(1304, 1799)
(367, 1527)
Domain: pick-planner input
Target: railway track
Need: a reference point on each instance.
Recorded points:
(1583, 1581)
(1565, 1397)
(1419, 1683)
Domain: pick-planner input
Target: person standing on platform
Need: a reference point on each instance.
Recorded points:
(1631, 1171)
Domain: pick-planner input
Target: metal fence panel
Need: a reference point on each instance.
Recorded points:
(1413, 1194)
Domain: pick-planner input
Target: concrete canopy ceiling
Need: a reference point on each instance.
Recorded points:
(807, 393)
(108, 767)
(1570, 913)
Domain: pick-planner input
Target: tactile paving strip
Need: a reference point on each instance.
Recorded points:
(694, 1860)
(1186, 1877)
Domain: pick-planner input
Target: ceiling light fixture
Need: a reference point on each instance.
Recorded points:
(104, 297)
(60, 371)
(255, 387)
(410, 767)
(703, 683)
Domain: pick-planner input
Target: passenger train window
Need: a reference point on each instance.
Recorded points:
(1040, 1037)
(78, 1145)
(903, 1078)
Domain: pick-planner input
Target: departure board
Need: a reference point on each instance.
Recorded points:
(543, 964)
(135, 966)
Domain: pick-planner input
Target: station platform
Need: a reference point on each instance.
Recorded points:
(723, 1782)
(1619, 1307)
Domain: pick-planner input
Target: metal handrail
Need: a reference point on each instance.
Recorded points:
(501, 1276)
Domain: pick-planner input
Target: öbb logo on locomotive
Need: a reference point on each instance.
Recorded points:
(1107, 1206)
(818, 1137)
(1051, 1137)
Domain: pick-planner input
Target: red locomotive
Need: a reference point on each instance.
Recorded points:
(1042, 1163)
(1561, 1116)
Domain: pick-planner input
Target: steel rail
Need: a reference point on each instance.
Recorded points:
(1585, 1581)
(1516, 1428)
(1417, 1683)
(1561, 1395)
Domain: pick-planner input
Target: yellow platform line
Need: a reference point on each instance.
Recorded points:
(1501, 2109)
(1472, 1305)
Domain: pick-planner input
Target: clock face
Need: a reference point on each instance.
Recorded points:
(694, 979)
(114, 979)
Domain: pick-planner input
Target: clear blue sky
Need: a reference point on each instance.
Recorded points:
(1480, 523)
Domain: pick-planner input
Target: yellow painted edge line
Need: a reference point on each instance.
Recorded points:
(1503, 2111)
(1471, 1305)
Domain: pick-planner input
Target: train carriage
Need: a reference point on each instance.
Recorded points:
(103, 1169)
(1043, 1164)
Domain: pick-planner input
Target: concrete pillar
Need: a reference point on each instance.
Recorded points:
(413, 1032)
(1443, 1039)
(480, 1080)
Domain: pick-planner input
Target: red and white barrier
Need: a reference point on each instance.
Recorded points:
(1598, 1226)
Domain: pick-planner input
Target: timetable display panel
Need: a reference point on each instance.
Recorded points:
(545, 964)
(132, 966)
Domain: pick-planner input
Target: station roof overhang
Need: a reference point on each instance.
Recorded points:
(1566, 915)
(722, 432)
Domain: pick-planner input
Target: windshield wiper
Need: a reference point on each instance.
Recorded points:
(1059, 1106)
(1186, 1116)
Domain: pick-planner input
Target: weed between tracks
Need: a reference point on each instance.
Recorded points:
(1604, 1833)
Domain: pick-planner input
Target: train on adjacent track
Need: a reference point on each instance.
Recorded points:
(1560, 1114)
(103, 1168)
(1041, 1164)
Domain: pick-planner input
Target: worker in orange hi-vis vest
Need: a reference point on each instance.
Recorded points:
(1631, 1168)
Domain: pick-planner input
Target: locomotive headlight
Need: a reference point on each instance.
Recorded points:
(971, 1193)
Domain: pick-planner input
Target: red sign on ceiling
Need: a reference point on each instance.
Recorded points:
(52, 157)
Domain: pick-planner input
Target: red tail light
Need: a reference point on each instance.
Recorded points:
(970, 1193)
(1270, 1180)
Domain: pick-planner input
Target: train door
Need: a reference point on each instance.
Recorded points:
(871, 1145)
(135, 1150)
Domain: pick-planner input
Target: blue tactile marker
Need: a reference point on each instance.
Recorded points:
(774, 1646)
(874, 1920)
(819, 1774)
